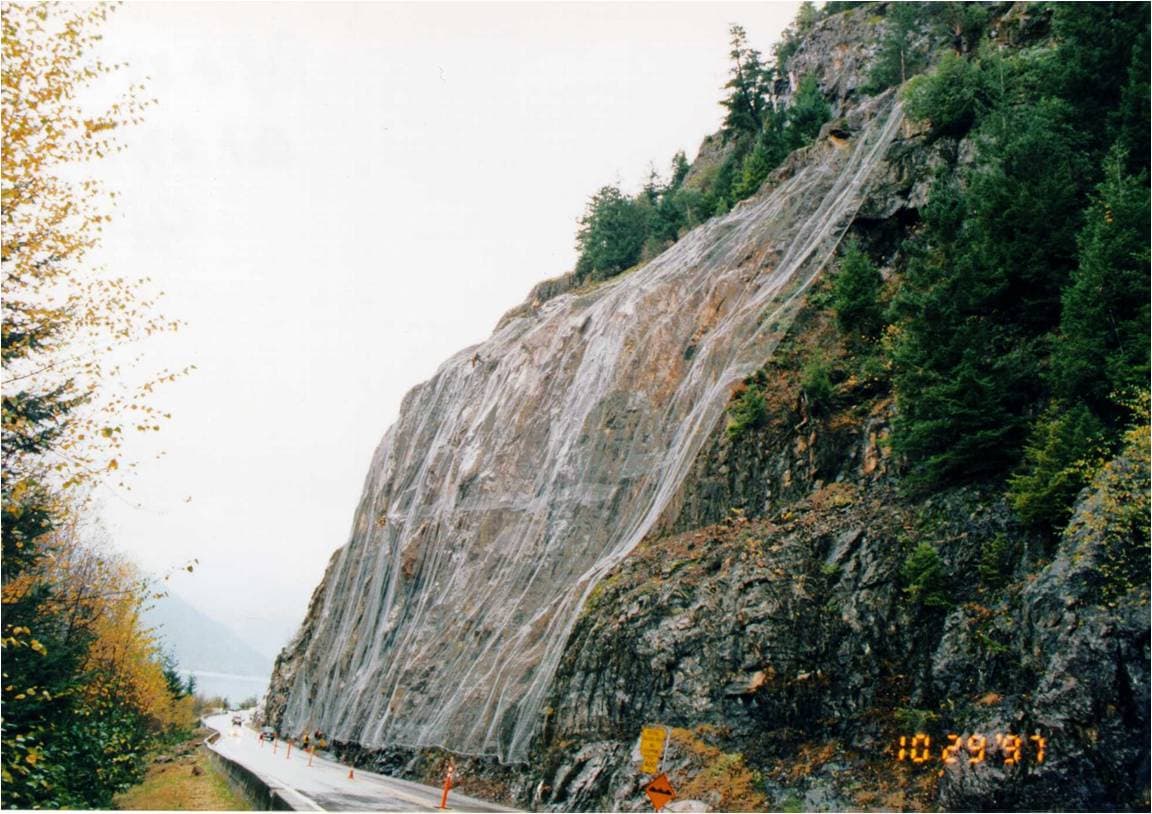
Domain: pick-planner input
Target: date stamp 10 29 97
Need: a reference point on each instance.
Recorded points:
(1013, 750)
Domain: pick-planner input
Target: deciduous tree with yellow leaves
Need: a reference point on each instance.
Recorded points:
(83, 685)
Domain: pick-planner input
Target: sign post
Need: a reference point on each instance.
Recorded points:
(653, 751)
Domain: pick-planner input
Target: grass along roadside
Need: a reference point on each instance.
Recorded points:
(182, 778)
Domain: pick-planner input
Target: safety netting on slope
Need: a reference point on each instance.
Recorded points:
(527, 467)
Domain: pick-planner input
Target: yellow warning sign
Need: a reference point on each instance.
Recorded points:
(651, 748)
(660, 791)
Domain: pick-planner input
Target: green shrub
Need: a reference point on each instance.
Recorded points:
(837, 6)
(872, 370)
(1065, 450)
(856, 296)
(792, 803)
(912, 719)
(748, 411)
(997, 562)
(950, 98)
(1119, 520)
(817, 384)
(925, 579)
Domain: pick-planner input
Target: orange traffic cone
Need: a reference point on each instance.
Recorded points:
(449, 775)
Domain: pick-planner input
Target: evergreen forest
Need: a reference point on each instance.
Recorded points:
(1014, 333)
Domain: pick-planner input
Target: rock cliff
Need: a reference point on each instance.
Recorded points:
(563, 539)
(530, 465)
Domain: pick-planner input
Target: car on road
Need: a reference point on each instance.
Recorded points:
(237, 720)
(267, 734)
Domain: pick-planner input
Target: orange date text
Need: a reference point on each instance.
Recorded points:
(1004, 748)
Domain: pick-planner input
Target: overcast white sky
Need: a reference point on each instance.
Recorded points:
(335, 198)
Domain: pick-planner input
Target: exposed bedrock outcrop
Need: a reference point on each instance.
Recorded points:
(530, 465)
(561, 541)
(796, 640)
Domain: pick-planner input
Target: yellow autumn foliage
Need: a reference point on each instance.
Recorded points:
(63, 318)
(721, 779)
(82, 677)
(105, 594)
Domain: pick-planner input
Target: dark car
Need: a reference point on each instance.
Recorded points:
(267, 734)
(237, 720)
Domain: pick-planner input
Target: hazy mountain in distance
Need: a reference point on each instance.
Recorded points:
(200, 643)
(269, 635)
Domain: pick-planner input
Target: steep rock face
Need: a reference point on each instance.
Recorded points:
(836, 54)
(559, 542)
(796, 452)
(1081, 635)
(750, 627)
(797, 644)
(792, 635)
(530, 465)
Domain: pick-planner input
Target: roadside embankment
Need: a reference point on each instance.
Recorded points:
(184, 778)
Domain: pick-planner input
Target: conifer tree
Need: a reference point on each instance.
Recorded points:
(612, 233)
(749, 87)
(753, 171)
(1066, 447)
(806, 115)
(1102, 350)
(898, 58)
(680, 167)
(1101, 68)
(856, 296)
(981, 294)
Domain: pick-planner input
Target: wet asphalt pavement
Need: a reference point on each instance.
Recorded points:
(325, 785)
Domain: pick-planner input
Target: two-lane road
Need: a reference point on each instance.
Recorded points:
(325, 785)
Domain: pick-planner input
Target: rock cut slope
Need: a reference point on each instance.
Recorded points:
(531, 465)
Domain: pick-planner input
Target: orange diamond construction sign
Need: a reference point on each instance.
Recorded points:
(660, 791)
